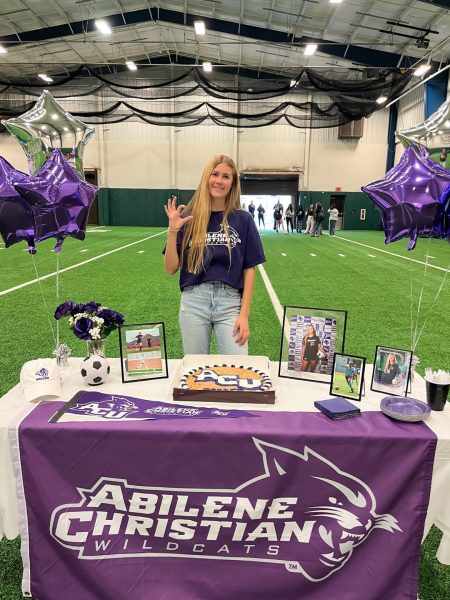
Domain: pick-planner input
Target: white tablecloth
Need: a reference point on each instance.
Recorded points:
(291, 395)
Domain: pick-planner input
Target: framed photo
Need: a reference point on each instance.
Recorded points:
(347, 378)
(391, 371)
(309, 340)
(143, 352)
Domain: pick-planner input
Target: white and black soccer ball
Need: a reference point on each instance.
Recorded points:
(95, 369)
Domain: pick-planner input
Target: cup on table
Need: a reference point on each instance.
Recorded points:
(437, 395)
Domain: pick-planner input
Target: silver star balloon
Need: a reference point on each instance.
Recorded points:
(433, 133)
(48, 126)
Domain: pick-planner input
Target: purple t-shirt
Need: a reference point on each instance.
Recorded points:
(246, 251)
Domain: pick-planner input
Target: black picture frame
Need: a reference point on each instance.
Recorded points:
(329, 325)
(393, 389)
(149, 362)
(337, 377)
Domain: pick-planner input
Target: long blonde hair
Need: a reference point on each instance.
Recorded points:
(200, 208)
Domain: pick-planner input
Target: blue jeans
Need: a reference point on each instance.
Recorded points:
(332, 226)
(211, 305)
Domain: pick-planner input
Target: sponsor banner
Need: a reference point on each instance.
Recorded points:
(95, 406)
(289, 505)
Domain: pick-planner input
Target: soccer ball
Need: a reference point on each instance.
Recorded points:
(95, 369)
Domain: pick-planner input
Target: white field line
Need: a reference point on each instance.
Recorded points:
(311, 254)
(272, 294)
(392, 254)
(84, 262)
(343, 255)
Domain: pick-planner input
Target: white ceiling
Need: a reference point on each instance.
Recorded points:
(352, 30)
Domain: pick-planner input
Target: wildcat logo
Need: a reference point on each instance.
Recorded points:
(312, 530)
(42, 374)
(116, 408)
(219, 238)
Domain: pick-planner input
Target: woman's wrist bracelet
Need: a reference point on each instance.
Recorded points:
(173, 230)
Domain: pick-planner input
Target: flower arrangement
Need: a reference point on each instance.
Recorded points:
(90, 321)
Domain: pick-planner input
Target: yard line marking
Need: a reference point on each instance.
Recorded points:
(84, 250)
(429, 256)
(97, 230)
(141, 251)
(84, 262)
(341, 255)
(371, 255)
(283, 254)
(272, 294)
(392, 254)
(311, 254)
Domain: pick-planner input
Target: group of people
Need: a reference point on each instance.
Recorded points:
(314, 218)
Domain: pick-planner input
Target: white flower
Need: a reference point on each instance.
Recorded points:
(71, 321)
(98, 321)
(95, 333)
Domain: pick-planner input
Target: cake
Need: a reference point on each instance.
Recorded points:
(226, 378)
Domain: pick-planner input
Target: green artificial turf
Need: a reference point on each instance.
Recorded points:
(386, 296)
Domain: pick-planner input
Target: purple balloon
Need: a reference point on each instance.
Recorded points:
(59, 200)
(412, 198)
(16, 218)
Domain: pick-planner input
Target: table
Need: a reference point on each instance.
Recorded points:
(292, 396)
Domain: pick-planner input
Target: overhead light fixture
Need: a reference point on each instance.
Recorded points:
(381, 99)
(310, 49)
(45, 78)
(199, 27)
(293, 82)
(207, 66)
(54, 116)
(130, 64)
(335, 1)
(447, 124)
(421, 70)
(103, 26)
(65, 128)
(3, 50)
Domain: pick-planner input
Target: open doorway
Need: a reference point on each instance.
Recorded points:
(339, 201)
(268, 203)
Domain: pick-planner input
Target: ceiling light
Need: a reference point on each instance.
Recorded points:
(3, 50)
(130, 64)
(310, 49)
(45, 77)
(103, 26)
(199, 27)
(447, 124)
(335, 1)
(54, 116)
(66, 128)
(381, 99)
(207, 66)
(293, 82)
(421, 70)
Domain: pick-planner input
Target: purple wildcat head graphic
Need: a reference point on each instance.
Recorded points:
(115, 408)
(300, 511)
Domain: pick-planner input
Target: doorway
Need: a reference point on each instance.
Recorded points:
(339, 201)
(91, 176)
(268, 203)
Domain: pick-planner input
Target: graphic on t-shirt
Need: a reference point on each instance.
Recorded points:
(219, 238)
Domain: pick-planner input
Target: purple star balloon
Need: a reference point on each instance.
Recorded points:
(16, 218)
(412, 198)
(59, 200)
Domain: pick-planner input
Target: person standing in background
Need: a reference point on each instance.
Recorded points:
(310, 219)
(261, 212)
(334, 213)
(278, 216)
(251, 209)
(289, 216)
(318, 218)
(299, 218)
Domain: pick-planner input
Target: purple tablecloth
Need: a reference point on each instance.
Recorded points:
(283, 505)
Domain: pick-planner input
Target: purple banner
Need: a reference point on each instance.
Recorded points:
(289, 505)
(95, 406)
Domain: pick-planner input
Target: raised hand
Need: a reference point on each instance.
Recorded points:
(176, 221)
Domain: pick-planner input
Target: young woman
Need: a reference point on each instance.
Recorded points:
(261, 212)
(334, 213)
(216, 246)
(299, 218)
(392, 371)
(289, 218)
(310, 219)
(310, 349)
(349, 375)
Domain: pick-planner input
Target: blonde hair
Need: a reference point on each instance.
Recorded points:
(200, 208)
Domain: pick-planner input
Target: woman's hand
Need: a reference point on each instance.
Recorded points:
(176, 221)
(241, 331)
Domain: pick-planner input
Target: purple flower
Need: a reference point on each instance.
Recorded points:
(77, 308)
(89, 307)
(111, 318)
(82, 327)
(63, 309)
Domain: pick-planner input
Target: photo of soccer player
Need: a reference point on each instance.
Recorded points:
(391, 371)
(348, 376)
(143, 352)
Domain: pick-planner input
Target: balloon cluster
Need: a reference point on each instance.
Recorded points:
(54, 200)
(413, 198)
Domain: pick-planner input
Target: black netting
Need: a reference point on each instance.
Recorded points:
(244, 102)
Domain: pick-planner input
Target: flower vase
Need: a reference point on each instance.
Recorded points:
(95, 367)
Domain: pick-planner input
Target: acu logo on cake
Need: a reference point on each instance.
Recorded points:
(312, 530)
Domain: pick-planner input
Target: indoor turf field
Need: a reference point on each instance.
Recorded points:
(391, 296)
